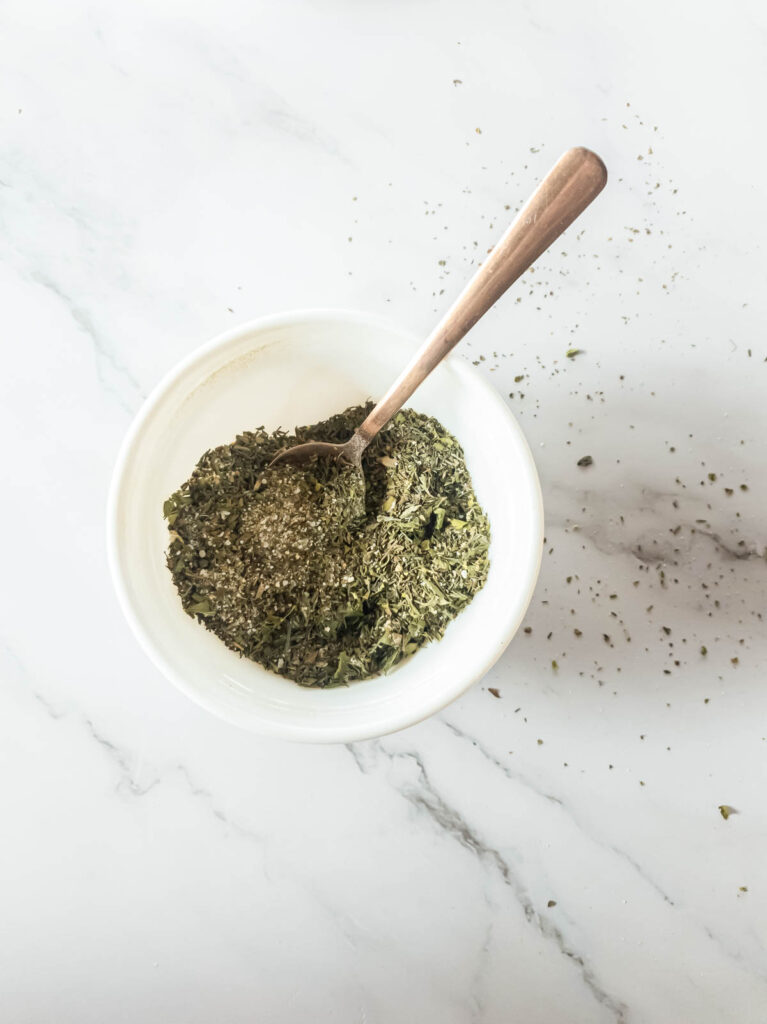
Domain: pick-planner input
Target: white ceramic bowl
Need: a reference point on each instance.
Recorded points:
(298, 368)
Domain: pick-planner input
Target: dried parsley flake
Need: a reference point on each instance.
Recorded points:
(320, 574)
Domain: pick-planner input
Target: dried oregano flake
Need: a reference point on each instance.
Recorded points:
(320, 574)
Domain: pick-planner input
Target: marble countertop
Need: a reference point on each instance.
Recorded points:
(556, 853)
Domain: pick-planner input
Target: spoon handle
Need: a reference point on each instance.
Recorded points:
(573, 182)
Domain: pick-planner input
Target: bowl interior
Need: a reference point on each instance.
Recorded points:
(298, 369)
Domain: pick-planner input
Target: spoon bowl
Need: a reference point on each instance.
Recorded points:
(350, 453)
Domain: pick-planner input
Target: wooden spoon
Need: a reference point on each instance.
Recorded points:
(573, 182)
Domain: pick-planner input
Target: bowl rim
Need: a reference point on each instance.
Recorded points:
(318, 732)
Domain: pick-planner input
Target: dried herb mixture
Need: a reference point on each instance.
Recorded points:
(324, 575)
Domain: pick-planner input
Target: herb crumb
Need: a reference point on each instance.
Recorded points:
(293, 568)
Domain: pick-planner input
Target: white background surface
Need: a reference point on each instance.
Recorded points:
(168, 170)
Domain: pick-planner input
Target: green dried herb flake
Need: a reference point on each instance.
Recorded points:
(325, 575)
